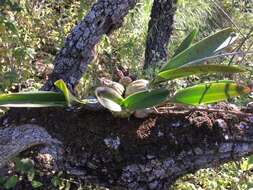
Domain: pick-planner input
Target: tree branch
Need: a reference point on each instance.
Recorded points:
(134, 153)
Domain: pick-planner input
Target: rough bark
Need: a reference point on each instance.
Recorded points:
(14, 140)
(134, 153)
(71, 62)
(159, 31)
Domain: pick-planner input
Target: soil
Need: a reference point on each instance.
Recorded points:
(84, 135)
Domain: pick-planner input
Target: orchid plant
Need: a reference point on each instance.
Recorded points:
(139, 95)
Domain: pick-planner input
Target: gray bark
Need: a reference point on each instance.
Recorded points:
(159, 32)
(14, 140)
(78, 51)
(131, 153)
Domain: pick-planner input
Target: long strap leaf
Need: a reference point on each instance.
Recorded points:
(186, 42)
(41, 98)
(204, 48)
(33, 99)
(186, 71)
(209, 93)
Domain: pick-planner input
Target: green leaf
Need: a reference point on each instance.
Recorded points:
(250, 160)
(36, 184)
(186, 42)
(109, 98)
(11, 182)
(12, 27)
(2, 180)
(33, 99)
(188, 70)
(70, 99)
(204, 48)
(41, 98)
(55, 181)
(145, 99)
(24, 165)
(209, 93)
(247, 164)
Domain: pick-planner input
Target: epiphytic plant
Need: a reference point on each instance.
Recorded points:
(139, 95)
(127, 97)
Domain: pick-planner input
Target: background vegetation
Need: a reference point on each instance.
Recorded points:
(31, 33)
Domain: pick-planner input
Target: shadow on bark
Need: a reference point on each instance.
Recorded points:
(135, 153)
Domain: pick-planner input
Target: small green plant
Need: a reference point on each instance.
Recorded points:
(24, 168)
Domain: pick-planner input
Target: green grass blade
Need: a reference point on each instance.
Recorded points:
(186, 71)
(33, 99)
(186, 42)
(209, 93)
(145, 99)
(204, 48)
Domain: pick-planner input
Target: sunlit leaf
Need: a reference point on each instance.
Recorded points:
(70, 99)
(145, 99)
(186, 42)
(33, 99)
(204, 48)
(36, 184)
(186, 71)
(41, 98)
(209, 93)
(109, 98)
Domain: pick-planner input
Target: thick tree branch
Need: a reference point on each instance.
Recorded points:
(140, 154)
(71, 62)
(159, 32)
